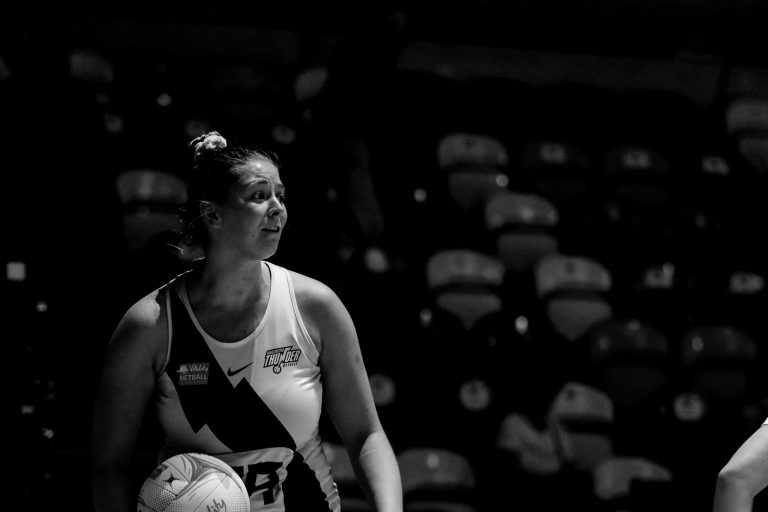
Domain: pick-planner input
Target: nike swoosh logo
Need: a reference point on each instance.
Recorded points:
(230, 373)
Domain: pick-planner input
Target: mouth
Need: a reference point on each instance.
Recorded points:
(271, 229)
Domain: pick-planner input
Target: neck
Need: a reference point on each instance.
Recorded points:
(226, 284)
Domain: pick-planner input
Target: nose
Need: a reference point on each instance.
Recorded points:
(275, 207)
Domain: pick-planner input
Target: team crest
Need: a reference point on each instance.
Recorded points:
(283, 356)
(193, 374)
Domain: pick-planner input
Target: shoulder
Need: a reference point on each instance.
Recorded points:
(320, 307)
(147, 312)
(310, 292)
(143, 329)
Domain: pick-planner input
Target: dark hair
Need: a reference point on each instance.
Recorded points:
(217, 166)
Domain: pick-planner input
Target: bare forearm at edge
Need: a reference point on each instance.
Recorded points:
(379, 474)
(732, 495)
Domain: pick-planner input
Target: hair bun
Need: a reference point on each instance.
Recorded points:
(208, 142)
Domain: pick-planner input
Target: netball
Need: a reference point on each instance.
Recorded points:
(193, 482)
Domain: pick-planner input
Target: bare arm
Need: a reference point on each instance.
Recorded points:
(134, 356)
(745, 475)
(349, 401)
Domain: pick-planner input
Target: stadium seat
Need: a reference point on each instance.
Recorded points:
(528, 472)
(465, 283)
(710, 185)
(308, 85)
(437, 385)
(574, 292)
(580, 420)
(91, 66)
(522, 227)
(637, 178)
(559, 154)
(649, 277)
(643, 153)
(724, 279)
(533, 448)
(745, 294)
(475, 167)
(151, 201)
(437, 480)
(718, 362)
(502, 335)
(558, 170)
(630, 360)
(633, 483)
(252, 96)
(747, 123)
(443, 386)
(94, 72)
(696, 422)
(461, 389)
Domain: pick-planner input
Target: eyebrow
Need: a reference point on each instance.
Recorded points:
(261, 181)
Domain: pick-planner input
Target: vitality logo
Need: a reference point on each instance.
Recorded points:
(193, 374)
(283, 356)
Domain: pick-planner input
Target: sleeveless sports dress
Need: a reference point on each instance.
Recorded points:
(254, 403)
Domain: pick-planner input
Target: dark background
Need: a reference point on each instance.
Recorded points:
(398, 77)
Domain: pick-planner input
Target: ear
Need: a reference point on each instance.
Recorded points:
(208, 213)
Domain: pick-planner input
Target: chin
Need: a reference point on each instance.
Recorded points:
(266, 254)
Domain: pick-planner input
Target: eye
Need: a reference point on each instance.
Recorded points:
(281, 198)
(258, 195)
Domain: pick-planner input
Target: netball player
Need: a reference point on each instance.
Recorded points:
(239, 355)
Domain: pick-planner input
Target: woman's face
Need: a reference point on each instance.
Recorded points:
(254, 216)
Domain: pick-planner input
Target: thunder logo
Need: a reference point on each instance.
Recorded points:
(283, 356)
